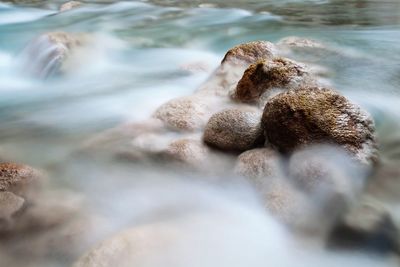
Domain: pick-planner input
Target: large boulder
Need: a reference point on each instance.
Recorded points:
(234, 130)
(265, 75)
(313, 115)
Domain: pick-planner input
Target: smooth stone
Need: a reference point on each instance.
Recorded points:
(9, 205)
(313, 115)
(184, 114)
(234, 130)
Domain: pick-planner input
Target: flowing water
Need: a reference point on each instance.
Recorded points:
(147, 52)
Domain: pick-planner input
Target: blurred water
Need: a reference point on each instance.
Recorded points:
(139, 62)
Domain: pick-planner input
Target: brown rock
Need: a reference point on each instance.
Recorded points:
(250, 52)
(266, 75)
(314, 115)
(234, 129)
(18, 178)
(70, 5)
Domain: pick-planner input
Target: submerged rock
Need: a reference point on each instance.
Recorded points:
(299, 42)
(70, 5)
(10, 204)
(234, 129)
(367, 226)
(314, 115)
(184, 114)
(265, 75)
(45, 55)
(259, 164)
(19, 179)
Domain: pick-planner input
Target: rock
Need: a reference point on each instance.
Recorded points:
(19, 179)
(327, 171)
(188, 151)
(9, 205)
(250, 52)
(192, 153)
(234, 129)
(184, 114)
(45, 55)
(266, 75)
(224, 80)
(299, 42)
(367, 226)
(70, 5)
(259, 164)
(314, 115)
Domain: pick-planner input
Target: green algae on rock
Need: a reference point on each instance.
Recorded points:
(313, 115)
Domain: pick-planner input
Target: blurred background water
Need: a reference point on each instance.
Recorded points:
(141, 56)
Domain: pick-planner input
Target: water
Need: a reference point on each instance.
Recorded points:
(147, 52)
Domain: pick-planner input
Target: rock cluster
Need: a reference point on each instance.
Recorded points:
(259, 115)
(264, 113)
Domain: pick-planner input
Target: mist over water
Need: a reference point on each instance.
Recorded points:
(144, 53)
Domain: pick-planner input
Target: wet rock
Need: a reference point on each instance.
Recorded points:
(367, 226)
(45, 55)
(19, 179)
(188, 151)
(250, 52)
(224, 80)
(259, 164)
(70, 5)
(9, 205)
(192, 153)
(327, 171)
(314, 115)
(266, 75)
(299, 42)
(184, 114)
(234, 129)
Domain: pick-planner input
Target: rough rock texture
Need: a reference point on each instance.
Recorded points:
(45, 55)
(184, 114)
(234, 129)
(70, 5)
(367, 226)
(258, 164)
(318, 115)
(265, 75)
(18, 179)
(250, 52)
